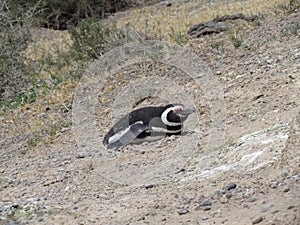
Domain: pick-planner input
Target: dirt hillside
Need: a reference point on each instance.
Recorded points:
(251, 176)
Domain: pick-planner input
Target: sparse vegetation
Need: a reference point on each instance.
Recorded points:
(92, 38)
(14, 72)
(235, 39)
(178, 37)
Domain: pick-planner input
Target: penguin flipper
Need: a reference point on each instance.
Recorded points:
(129, 136)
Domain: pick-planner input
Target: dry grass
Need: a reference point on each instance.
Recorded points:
(160, 21)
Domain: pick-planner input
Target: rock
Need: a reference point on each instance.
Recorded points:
(80, 155)
(15, 205)
(228, 195)
(45, 115)
(182, 211)
(207, 208)
(257, 220)
(286, 188)
(229, 187)
(206, 202)
(223, 200)
(274, 185)
(149, 186)
(204, 218)
(64, 129)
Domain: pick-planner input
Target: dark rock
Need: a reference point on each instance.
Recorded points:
(229, 187)
(207, 208)
(228, 195)
(149, 186)
(206, 202)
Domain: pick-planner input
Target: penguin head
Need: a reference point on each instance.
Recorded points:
(176, 113)
(182, 111)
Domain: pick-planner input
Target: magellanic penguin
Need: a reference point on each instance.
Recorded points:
(148, 121)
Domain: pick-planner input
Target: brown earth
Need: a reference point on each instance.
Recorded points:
(252, 178)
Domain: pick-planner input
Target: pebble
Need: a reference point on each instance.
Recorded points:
(223, 200)
(45, 115)
(182, 211)
(15, 205)
(228, 195)
(207, 208)
(274, 185)
(149, 186)
(229, 187)
(80, 155)
(206, 202)
(64, 129)
(257, 220)
(286, 188)
(204, 218)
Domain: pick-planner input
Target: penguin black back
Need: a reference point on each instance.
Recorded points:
(147, 121)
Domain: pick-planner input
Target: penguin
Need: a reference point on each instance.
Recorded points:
(147, 121)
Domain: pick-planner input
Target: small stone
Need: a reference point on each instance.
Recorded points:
(206, 202)
(64, 129)
(45, 115)
(80, 155)
(286, 188)
(26, 207)
(207, 208)
(204, 218)
(149, 186)
(15, 205)
(182, 211)
(257, 220)
(274, 185)
(228, 195)
(230, 187)
(75, 207)
(223, 200)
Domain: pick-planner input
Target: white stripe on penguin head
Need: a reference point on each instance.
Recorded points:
(164, 116)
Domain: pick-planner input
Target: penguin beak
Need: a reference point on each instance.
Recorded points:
(187, 110)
